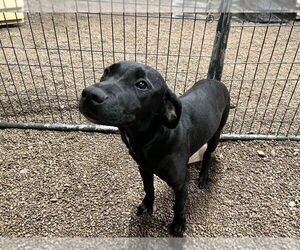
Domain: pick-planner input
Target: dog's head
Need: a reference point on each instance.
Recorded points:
(129, 93)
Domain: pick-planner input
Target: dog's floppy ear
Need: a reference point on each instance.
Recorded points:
(171, 110)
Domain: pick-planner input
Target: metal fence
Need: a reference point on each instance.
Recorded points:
(46, 62)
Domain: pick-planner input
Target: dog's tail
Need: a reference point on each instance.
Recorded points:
(231, 106)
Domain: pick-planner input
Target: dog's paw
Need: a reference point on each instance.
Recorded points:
(177, 228)
(203, 182)
(144, 209)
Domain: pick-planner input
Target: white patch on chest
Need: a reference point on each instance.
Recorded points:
(198, 156)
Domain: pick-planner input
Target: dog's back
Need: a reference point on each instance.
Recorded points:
(203, 108)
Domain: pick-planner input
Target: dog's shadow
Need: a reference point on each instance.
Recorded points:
(156, 225)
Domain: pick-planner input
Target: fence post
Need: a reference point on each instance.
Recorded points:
(218, 53)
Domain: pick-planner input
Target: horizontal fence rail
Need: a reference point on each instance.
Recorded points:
(46, 61)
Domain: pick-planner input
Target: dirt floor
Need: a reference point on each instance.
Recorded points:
(68, 184)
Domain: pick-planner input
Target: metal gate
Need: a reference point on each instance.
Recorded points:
(48, 57)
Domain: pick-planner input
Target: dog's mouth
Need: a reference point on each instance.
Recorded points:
(92, 120)
(89, 117)
(86, 112)
(117, 119)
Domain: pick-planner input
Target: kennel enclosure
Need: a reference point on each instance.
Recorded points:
(56, 50)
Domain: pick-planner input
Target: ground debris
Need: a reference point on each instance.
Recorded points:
(261, 153)
(87, 185)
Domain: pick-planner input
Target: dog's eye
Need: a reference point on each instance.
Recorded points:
(141, 85)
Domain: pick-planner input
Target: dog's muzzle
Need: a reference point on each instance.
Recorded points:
(94, 95)
(91, 98)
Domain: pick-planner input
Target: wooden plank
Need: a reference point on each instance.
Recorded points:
(11, 18)
(11, 12)
(11, 5)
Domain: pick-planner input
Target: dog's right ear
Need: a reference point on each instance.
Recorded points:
(110, 70)
(171, 110)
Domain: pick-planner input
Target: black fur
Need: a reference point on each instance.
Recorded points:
(160, 130)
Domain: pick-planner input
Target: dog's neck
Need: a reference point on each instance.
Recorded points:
(142, 135)
(140, 139)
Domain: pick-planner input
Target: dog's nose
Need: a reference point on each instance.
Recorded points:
(93, 94)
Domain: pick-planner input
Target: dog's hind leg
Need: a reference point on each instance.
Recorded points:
(146, 207)
(211, 146)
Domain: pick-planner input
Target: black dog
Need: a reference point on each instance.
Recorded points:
(160, 130)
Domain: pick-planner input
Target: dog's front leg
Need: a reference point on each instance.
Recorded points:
(178, 224)
(146, 207)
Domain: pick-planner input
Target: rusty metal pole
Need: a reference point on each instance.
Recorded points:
(218, 53)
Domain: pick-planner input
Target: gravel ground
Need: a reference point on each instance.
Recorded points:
(67, 184)
(84, 184)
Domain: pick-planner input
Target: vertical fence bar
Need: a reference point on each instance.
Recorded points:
(190, 53)
(288, 105)
(147, 29)
(201, 49)
(30, 69)
(71, 57)
(277, 75)
(40, 66)
(169, 42)
(80, 49)
(236, 57)
(266, 73)
(158, 32)
(135, 29)
(243, 76)
(101, 34)
(8, 97)
(51, 67)
(179, 48)
(91, 46)
(4, 111)
(124, 31)
(61, 68)
(284, 88)
(17, 61)
(13, 83)
(255, 72)
(293, 119)
(112, 31)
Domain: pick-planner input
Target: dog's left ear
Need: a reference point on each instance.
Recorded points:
(171, 110)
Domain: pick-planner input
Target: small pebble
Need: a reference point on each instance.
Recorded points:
(273, 153)
(261, 153)
(292, 204)
(24, 171)
(54, 200)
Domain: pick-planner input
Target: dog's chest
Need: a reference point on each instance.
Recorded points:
(134, 150)
(141, 153)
